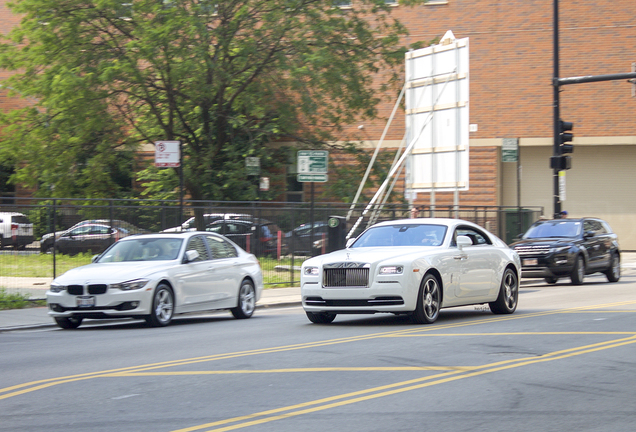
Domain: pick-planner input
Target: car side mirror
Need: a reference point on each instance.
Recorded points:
(191, 255)
(463, 241)
(350, 242)
(588, 234)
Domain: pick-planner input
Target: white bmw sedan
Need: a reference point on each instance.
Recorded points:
(414, 267)
(155, 276)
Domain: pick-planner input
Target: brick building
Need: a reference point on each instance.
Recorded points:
(511, 96)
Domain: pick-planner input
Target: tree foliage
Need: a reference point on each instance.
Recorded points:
(223, 77)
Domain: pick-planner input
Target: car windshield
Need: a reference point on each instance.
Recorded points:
(402, 235)
(554, 229)
(143, 249)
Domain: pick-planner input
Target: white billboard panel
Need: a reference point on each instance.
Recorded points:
(437, 117)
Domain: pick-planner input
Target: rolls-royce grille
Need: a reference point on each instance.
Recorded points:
(346, 277)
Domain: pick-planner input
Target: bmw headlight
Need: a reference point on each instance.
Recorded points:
(311, 271)
(130, 285)
(391, 270)
(57, 288)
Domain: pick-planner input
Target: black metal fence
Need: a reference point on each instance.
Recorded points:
(279, 233)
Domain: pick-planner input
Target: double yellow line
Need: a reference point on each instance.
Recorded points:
(400, 387)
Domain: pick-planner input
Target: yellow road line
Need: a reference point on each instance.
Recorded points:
(389, 390)
(41, 384)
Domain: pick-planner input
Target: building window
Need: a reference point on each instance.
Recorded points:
(294, 187)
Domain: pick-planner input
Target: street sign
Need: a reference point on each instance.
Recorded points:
(264, 184)
(253, 165)
(167, 154)
(320, 178)
(312, 165)
(562, 185)
(510, 150)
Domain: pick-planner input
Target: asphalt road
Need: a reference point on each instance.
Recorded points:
(564, 361)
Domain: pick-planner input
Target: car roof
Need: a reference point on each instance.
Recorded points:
(250, 220)
(183, 234)
(540, 221)
(432, 221)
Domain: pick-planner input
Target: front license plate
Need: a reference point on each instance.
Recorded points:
(86, 301)
(530, 262)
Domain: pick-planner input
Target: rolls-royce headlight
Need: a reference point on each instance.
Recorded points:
(57, 288)
(391, 270)
(130, 285)
(311, 271)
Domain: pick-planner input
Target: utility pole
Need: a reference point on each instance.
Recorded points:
(559, 162)
(556, 114)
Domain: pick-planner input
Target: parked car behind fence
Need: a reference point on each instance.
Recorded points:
(15, 230)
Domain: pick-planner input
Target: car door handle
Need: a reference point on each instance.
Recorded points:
(461, 257)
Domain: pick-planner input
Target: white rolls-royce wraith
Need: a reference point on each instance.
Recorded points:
(414, 267)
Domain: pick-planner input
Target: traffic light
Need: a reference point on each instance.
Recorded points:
(565, 137)
(561, 162)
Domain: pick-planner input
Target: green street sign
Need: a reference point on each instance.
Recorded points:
(510, 150)
(320, 178)
(312, 165)
(253, 166)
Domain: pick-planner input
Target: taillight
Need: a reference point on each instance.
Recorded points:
(14, 226)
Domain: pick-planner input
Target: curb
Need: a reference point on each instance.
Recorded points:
(52, 323)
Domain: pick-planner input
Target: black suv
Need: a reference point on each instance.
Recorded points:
(558, 248)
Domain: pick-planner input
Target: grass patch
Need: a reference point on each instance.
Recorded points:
(276, 273)
(17, 301)
(40, 265)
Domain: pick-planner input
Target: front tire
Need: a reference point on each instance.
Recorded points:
(68, 323)
(429, 301)
(506, 302)
(578, 273)
(162, 307)
(321, 317)
(246, 301)
(613, 274)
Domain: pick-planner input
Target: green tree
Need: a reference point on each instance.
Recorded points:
(223, 77)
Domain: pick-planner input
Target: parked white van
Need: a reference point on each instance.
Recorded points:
(15, 230)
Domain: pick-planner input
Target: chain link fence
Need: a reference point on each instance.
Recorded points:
(41, 239)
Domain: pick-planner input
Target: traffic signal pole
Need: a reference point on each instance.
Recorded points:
(556, 150)
(559, 162)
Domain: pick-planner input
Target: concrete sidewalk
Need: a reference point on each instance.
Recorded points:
(34, 317)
